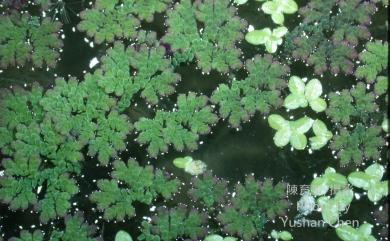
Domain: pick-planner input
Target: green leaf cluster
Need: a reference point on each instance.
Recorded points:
(180, 127)
(39, 157)
(142, 67)
(277, 9)
(74, 227)
(370, 181)
(355, 104)
(305, 94)
(108, 20)
(271, 39)
(358, 144)
(381, 85)
(85, 111)
(123, 236)
(283, 235)
(253, 204)
(44, 135)
(374, 59)
(26, 38)
(293, 132)
(260, 91)
(24, 235)
(215, 44)
(347, 233)
(170, 224)
(137, 184)
(344, 22)
(209, 190)
(332, 207)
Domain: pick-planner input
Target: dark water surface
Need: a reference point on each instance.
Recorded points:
(230, 153)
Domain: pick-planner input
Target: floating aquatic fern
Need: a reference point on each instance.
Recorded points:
(370, 181)
(260, 91)
(22, 184)
(39, 157)
(208, 190)
(24, 235)
(170, 224)
(138, 184)
(381, 85)
(345, 21)
(216, 237)
(215, 45)
(348, 233)
(153, 73)
(271, 39)
(108, 20)
(277, 9)
(360, 143)
(191, 166)
(303, 94)
(282, 235)
(27, 38)
(354, 104)
(74, 227)
(86, 112)
(180, 128)
(331, 207)
(375, 60)
(293, 132)
(253, 204)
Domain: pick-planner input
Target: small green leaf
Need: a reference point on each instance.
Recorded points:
(271, 46)
(294, 101)
(279, 32)
(282, 137)
(330, 212)
(385, 124)
(257, 37)
(376, 171)
(343, 198)
(269, 7)
(181, 162)
(122, 236)
(230, 239)
(320, 129)
(213, 237)
(377, 191)
(335, 180)
(347, 233)
(298, 140)
(317, 142)
(302, 125)
(319, 186)
(318, 105)
(278, 18)
(286, 236)
(296, 85)
(365, 229)
(313, 90)
(277, 122)
(360, 180)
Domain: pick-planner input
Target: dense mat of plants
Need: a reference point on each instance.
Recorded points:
(50, 135)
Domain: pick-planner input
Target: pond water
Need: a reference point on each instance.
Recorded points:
(230, 153)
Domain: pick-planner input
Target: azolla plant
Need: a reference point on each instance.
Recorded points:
(115, 150)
